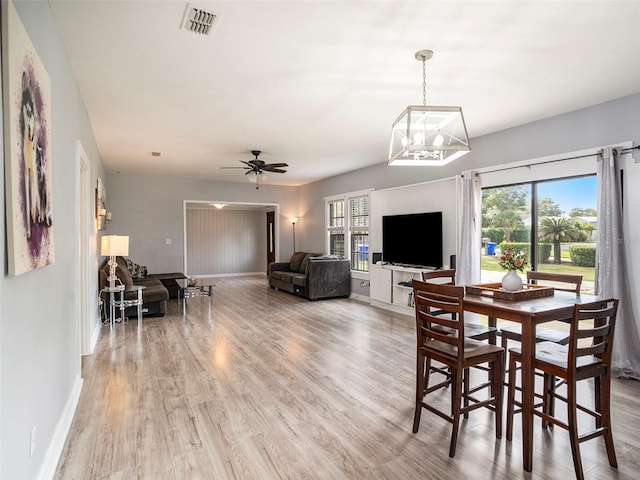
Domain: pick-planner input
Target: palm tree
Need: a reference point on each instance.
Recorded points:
(558, 230)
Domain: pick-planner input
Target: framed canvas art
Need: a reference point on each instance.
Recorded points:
(27, 140)
(101, 205)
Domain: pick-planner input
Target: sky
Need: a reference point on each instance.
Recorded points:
(571, 193)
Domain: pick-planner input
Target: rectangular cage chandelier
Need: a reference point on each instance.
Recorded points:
(426, 135)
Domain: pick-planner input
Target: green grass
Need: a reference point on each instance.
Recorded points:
(491, 264)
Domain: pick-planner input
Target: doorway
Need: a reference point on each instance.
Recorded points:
(83, 217)
(227, 238)
(271, 238)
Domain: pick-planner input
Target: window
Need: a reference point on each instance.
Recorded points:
(554, 220)
(359, 232)
(348, 224)
(336, 228)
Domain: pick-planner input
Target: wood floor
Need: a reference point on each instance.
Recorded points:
(260, 384)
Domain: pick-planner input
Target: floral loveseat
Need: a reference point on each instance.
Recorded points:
(312, 275)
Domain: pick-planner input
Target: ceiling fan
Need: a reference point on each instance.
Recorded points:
(257, 167)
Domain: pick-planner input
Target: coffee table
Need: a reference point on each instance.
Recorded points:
(199, 288)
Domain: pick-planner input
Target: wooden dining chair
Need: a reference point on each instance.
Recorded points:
(440, 332)
(587, 356)
(560, 281)
(471, 330)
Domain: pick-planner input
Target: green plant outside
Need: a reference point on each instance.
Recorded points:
(490, 263)
(583, 256)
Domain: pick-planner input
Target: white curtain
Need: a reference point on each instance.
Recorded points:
(468, 262)
(611, 266)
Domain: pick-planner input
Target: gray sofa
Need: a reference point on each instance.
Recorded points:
(158, 287)
(312, 275)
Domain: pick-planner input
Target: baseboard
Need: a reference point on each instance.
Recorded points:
(48, 470)
(241, 274)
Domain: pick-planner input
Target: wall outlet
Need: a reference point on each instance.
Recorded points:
(167, 241)
(32, 442)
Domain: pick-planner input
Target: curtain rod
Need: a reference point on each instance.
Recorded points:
(624, 150)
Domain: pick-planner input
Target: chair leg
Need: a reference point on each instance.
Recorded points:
(604, 401)
(455, 408)
(421, 371)
(597, 393)
(465, 390)
(511, 394)
(503, 343)
(572, 421)
(497, 388)
(547, 398)
(551, 409)
(426, 374)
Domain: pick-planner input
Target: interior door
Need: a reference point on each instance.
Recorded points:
(271, 238)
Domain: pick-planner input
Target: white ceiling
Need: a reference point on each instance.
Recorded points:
(317, 84)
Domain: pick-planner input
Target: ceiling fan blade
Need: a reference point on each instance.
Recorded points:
(243, 168)
(274, 170)
(276, 165)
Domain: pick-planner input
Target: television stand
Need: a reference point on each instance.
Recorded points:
(390, 286)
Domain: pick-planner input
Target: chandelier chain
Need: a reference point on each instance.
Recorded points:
(424, 82)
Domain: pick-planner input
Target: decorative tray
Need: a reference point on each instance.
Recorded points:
(495, 290)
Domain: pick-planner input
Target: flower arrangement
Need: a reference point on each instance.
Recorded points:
(513, 261)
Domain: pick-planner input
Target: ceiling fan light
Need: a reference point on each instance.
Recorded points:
(253, 177)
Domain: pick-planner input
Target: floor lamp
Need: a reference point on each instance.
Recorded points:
(293, 223)
(112, 246)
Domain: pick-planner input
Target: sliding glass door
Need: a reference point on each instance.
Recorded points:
(553, 220)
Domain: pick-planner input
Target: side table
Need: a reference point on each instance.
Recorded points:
(121, 303)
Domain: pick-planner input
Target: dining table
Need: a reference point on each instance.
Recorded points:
(528, 313)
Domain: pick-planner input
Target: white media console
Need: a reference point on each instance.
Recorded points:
(388, 290)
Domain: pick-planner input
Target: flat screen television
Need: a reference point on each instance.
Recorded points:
(413, 239)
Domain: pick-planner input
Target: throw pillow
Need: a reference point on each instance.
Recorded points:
(137, 271)
(296, 261)
(307, 259)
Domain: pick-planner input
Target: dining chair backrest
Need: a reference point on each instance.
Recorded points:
(433, 304)
(559, 281)
(441, 277)
(600, 333)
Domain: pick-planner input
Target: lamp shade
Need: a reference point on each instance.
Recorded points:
(114, 245)
(427, 135)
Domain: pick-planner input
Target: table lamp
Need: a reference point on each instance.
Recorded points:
(112, 246)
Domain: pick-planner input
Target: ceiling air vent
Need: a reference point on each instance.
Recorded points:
(197, 20)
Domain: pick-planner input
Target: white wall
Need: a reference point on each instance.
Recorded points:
(39, 324)
(225, 241)
(611, 123)
(150, 209)
(39, 344)
(435, 196)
